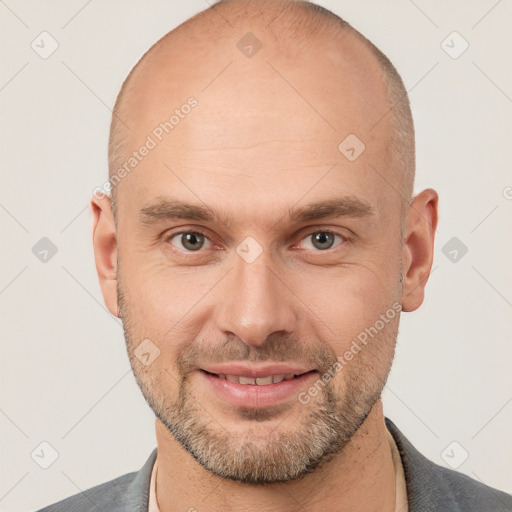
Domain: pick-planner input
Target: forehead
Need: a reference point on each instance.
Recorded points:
(336, 77)
(268, 130)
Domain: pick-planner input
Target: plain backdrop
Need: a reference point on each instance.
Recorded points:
(65, 375)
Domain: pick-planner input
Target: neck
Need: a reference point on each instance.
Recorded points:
(362, 477)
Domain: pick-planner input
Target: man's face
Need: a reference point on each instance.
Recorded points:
(260, 287)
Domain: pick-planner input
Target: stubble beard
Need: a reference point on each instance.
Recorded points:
(258, 455)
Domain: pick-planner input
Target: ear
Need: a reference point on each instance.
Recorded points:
(105, 250)
(418, 250)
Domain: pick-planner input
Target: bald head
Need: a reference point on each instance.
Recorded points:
(290, 27)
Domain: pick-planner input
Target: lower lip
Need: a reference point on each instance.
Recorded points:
(254, 396)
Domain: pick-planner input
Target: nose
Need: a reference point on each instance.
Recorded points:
(254, 303)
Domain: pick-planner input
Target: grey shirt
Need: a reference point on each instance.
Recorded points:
(429, 488)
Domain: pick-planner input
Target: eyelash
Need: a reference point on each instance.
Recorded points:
(203, 233)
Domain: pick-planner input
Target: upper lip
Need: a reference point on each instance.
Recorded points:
(240, 369)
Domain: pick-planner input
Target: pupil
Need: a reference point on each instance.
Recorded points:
(323, 240)
(189, 239)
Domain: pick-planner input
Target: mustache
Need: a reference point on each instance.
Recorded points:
(276, 349)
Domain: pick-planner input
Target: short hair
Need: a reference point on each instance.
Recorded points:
(298, 20)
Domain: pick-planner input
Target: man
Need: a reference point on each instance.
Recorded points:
(259, 244)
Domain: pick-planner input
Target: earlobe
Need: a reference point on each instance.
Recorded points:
(418, 250)
(105, 250)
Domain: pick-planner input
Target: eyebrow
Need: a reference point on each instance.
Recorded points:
(171, 209)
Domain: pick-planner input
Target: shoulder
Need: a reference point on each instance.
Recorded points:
(469, 494)
(98, 497)
(126, 492)
(433, 487)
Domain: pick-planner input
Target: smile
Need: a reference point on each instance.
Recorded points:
(256, 381)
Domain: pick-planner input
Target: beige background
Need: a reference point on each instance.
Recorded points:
(65, 376)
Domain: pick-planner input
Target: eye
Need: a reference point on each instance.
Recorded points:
(189, 240)
(322, 240)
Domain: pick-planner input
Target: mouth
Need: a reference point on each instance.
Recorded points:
(265, 380)
(264, 390)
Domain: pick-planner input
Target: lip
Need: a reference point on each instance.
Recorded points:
(254, 396)
(240, 369)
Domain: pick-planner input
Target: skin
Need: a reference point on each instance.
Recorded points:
(252, 149)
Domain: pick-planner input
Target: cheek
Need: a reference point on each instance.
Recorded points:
(154, 350)
(346, 302)
(366, 356)
(159, 293)
(155, 304)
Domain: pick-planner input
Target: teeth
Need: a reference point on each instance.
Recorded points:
(259, 381)
(263, 381)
